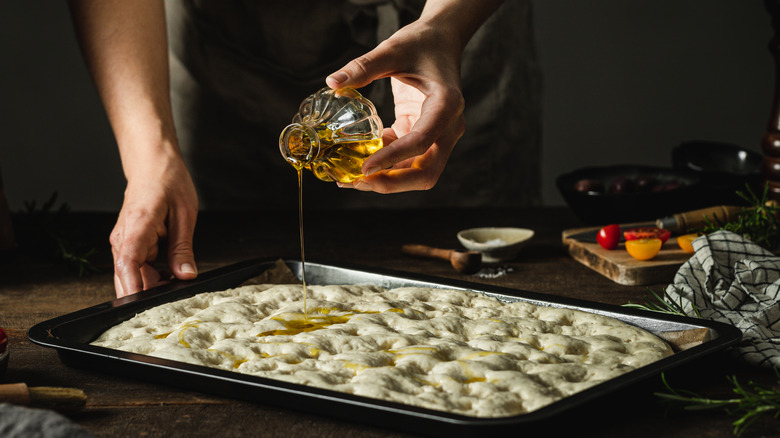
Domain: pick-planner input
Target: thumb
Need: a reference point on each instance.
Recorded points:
(357, 73)
(181, 260)
(181, 257)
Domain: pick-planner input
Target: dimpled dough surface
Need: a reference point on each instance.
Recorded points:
(449, 350)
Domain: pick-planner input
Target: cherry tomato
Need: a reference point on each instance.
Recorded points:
(647, 233)
(609, 236)
(686, 241)
(644, 249)
(3, 341)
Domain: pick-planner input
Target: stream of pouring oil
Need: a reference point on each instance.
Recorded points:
(300, 232)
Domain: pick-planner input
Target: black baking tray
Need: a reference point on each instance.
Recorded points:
(71, 334)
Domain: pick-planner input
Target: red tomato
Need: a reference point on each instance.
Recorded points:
(647, 233)
(609, 236)
(3, 341)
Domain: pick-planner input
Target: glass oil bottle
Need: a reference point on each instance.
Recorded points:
(332, 135)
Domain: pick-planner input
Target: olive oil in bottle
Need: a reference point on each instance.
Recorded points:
(341, 162)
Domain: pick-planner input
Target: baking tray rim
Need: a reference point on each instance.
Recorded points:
(74, 353)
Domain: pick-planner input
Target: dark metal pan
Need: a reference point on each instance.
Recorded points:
(71, 334)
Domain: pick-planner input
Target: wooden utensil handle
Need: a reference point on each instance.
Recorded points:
(16, 393)
(426, 251)
(47, 397)
(694, 219)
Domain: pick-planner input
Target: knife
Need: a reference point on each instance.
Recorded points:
(679, 223)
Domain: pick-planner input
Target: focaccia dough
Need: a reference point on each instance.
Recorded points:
(450, 350)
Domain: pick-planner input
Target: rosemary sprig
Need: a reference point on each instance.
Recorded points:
(663, 304)
(78, 259)
(47, 231)
(750, 403)
(758, 223)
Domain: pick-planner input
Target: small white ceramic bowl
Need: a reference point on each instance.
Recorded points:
(495, 244)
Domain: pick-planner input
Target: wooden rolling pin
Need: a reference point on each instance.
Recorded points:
(46, 397)
(683, 222)
(467, 262)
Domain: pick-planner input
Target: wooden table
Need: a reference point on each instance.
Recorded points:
(34, 288)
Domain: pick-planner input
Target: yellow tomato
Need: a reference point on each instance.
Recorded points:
(686, 241)
(643, 249)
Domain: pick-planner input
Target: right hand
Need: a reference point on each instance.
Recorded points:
(422, 60)
(159, 203)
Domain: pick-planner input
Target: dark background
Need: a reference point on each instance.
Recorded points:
(624, 82)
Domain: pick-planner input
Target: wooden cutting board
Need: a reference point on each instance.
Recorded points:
(620, 267)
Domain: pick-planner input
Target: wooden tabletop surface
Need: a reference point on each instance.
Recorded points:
(35, 287)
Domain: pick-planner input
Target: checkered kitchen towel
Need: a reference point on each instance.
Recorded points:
(733, 280)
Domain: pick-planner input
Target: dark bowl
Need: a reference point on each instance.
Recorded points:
(629, 193)
(714, 157)
(724, 168)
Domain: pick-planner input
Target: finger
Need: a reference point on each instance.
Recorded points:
(363, 70)
(131, 250)
(441, 115)
(181, 257)
(120, 291)
(128, 271)
(418, 173)
(131, 276)
(398, 180)
(408, 146)
(388, 137)
(151, 277)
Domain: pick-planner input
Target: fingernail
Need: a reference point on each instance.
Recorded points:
(371, 170)
(187, 268)
(339, 77)
(361, 185)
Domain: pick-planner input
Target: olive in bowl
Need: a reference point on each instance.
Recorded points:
(628, 193)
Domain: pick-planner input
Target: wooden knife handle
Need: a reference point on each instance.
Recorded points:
(683, 222)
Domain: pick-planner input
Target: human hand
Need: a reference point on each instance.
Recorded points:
(126, 49)
(160, 203)
(423, 62)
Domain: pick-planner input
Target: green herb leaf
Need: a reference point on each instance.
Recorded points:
(758, 223)
(48, 233)
(663, 304)
(751, 402)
